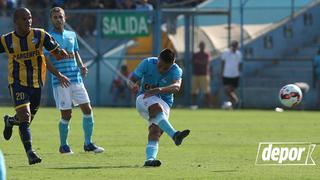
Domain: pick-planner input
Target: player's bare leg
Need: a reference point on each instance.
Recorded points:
(88, 123)
(208, 100)
(230, 92)
(194, 101)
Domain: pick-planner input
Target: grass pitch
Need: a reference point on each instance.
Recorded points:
(222, 145)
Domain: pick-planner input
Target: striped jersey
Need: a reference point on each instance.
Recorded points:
(68, 67)
(27, 65)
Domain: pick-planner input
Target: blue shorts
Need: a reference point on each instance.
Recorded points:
(25, 96)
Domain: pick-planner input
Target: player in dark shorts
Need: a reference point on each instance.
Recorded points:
(26, 74)
(230, 71)
(234, 82)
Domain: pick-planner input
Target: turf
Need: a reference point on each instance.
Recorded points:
(222, 145)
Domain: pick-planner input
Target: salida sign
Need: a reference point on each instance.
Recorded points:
(120, 25)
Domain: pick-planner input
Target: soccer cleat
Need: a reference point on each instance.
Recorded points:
(65, 149)
(7, 132)
(33, 157)
(179, 136)
(93, 147)
(152, 163)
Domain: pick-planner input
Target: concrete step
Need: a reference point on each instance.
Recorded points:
(258, 97)
(293, 63)
(290, 68)
(285, 62)
(272, 82)
(286, 73)
(308, 51)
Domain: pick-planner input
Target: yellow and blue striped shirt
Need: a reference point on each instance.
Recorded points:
(27, 65)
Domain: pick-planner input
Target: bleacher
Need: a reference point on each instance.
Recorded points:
(288, 61)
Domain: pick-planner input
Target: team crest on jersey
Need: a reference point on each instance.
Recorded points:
(70, 41)
(34, 40)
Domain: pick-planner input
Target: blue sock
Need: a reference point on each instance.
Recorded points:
(63, 131)
(2, 167)
(87, 124)
(164, 124)
(25, 136)
(152, 150)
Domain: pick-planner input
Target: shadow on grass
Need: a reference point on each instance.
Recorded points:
(96, 167)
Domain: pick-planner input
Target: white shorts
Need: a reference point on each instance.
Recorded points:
(142, 106)
(74, 94)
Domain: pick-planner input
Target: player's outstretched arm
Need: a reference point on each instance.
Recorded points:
(52, 46)
(59, 54)
(65, 82)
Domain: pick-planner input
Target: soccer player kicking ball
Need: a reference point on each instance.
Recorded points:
(157, 79)
(72, 67)
(26, 74)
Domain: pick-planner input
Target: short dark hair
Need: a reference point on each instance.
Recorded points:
(17, 12)
(234, 43)
(167, 56)
(56, 9)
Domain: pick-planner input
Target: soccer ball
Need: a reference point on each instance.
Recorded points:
(290, 95)
(226, 105)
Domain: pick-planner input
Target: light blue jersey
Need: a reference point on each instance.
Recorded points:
(68, 67)
(150, 77)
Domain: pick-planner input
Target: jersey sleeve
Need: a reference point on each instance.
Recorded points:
(177, 75)
(46, 52)
(76, 45)
(140, 70)
(49, 43)
(1, 46)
